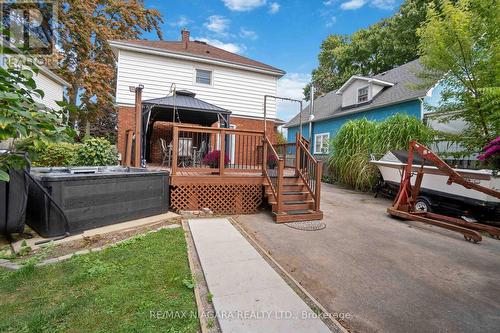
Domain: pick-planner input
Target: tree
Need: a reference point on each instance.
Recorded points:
(460, 46)
(22, 117)
(86, 60)
(380, 47)
(280, 138)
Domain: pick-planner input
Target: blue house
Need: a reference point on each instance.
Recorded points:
(374, 98)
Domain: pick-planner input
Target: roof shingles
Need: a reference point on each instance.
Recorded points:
(200, 49)
(405, 88)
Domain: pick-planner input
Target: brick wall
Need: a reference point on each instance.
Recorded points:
(126, 121)
(255, 124)
(161, 130)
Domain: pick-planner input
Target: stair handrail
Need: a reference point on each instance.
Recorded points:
(302, 150)
(277, 191)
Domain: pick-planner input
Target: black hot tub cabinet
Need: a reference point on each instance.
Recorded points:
(94, 196)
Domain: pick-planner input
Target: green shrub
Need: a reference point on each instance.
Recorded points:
(397, 131)
(95, 152)
(351, 149)
(357, 139)
(54, 155)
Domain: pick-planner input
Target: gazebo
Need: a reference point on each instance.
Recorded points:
(181, 108)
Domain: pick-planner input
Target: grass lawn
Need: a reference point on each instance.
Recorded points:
(110, 291)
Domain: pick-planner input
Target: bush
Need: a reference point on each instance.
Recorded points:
(357, 139)
(55, 154)
(95, 152)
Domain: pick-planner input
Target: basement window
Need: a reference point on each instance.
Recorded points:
(321, 143)
(203, 76)
(362, 94)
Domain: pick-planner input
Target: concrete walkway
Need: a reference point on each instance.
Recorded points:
(248, 295)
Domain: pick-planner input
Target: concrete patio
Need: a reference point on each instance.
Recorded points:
(388, 275)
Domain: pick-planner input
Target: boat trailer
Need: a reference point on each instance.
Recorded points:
(404, 203)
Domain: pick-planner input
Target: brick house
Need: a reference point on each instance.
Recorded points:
(231, 86)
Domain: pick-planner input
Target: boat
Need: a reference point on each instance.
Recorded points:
(435, 193)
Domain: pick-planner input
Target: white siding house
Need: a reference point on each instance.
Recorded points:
(235, 83)
(52, 85)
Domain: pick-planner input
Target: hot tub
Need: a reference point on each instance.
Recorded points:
(94, 197)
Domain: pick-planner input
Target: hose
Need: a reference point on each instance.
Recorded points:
(61, 211)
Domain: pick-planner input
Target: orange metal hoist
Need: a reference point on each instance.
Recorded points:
(404, 204)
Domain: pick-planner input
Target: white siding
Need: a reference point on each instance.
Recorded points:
(375, 89)
(350, 94)
(53, 90)
(241, 92)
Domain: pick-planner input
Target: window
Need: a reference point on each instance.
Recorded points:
(362, 94)
(203, 76)
(321, 143)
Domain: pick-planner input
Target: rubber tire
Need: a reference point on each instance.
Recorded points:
(426, 202)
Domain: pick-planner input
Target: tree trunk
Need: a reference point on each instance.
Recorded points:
(73, 118)
(87, 129)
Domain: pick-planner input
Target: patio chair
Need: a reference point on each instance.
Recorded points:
(198, 154)
(166, 152)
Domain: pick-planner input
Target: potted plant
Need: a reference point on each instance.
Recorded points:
(272, 161)
(212, 159)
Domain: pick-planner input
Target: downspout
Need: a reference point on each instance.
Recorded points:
(421, 99)
(311, 113)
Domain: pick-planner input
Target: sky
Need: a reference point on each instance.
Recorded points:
(286, 34)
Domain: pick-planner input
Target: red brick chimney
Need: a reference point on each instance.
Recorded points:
(185, 37)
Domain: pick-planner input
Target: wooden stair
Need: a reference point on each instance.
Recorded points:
(294, 196)
(297, 204)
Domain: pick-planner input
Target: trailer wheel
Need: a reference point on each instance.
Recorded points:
(423, 205)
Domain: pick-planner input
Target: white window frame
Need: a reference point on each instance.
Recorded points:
(195, 81)
(322, 135)
(367, 94)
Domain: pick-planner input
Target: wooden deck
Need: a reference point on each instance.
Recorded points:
(231, 171)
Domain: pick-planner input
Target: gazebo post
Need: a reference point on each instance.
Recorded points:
(138, 125)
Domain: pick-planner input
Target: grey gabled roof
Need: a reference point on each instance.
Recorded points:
(404, 89)
(185, 100)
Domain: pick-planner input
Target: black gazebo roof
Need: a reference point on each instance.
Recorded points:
(189, 109)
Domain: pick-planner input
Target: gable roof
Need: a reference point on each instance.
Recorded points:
(195, 49)
(404, 78)
(367, 79)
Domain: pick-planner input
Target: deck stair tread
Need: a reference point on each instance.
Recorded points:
(292, 202)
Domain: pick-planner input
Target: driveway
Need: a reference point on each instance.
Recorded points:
(387, 275)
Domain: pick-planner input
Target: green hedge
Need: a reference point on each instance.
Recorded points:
(92, 152)
(358, 139)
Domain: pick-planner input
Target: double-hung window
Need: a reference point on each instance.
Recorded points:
(203, 76)
(321, 142)
(362, 94)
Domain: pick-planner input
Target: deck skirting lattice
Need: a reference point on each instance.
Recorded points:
(220, 198)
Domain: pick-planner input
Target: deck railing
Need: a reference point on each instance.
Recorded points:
(273, 168)
(309, 169)
(287, 151)
(216, 150)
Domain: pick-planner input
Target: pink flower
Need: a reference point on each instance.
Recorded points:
(212, 159)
